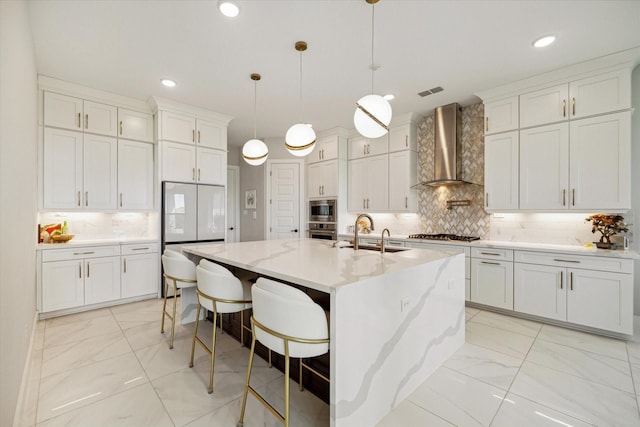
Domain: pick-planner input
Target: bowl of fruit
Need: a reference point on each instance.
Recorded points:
(55, 233)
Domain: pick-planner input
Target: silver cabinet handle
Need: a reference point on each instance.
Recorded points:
(561, 276)
(84, 253)
(573, 196)
(125, 265)
(364, 203)
(80, 270)
(486, 199)
(566, 260)
(489, 262)
(86, 121)
(406, 202)
(490, 253)
(86, 198)
(198, 137)
(323, 190)
(367, 203)
(571, 280)
(120, 199)
(564, 108)
(564, 197)
(140, 249)
(121, 126)
(88, 269)
(193, 135)
(573, 106)
(193, 174)
(198, 174)
(78, 197)
(79, 125)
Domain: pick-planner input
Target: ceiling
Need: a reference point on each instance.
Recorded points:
(126, 47)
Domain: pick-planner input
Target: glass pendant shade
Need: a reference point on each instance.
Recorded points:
(300, 139)
(255, 152)
(372, 116)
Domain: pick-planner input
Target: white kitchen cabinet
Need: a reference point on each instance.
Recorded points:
(79, 276)
(135, 175)
(501, 116)
(139, 270)
(600, 162)
(80, 170)
(188, 163)
(368, 180)
(588, 291)
(603, 93)
(545, 106)
(403, 137)
(322, 179)
(544, 167)
(135, 125)
(191, 130)
(501, 171)
(402, 175)
(326, 149)
(360, 146)
(492, 277)
(73, 113)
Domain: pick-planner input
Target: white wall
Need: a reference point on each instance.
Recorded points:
(635, 179)
(18, 192)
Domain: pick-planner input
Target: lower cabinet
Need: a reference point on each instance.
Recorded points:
(492, 277)
(599, 294)
(139, 270)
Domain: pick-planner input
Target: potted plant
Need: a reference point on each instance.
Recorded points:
(607, 225)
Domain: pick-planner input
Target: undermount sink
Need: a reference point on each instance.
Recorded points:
(376, 248)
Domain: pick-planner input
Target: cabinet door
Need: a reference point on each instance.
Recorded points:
(100, 118)
(544, 106)
(378, 146)
(102, 280)
(600, 94)
(492, 283)
(314, 180)
(329, 178)
(100, 172)
(356, 185)
(62, 285)
(326, 149)
(540, 290)
(402, 174)
(357, 147)
(501, 171)
(139, 275)
(135, 125)
(178, 128)
(600, 162)
(211, 135)
(62, 111)
(377, 183)
(544, 167)
(135, 175)
(62, 169)
(501, 116)
(403, 138)
(211, 166)
(601, 300)
(178, 162)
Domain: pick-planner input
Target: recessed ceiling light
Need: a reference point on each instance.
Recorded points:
(228, 8)
(544, 41)
(168, 82)
(389, 96)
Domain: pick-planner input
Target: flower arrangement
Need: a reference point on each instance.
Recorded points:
(607, 225)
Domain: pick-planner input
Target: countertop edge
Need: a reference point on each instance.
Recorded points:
(98, 242)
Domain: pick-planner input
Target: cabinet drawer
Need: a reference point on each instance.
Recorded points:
(615, 265)
(80, 253)
(492, 253)
(139, 248)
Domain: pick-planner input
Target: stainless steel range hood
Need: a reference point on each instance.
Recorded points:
(448, 146)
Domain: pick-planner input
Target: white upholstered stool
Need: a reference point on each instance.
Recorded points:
(179, 272)
(287, 321)
(219, 291)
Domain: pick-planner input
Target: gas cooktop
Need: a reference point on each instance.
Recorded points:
(443, 236)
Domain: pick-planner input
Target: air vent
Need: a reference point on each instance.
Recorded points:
(430, 91)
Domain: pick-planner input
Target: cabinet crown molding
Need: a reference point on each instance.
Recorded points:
(161, 104)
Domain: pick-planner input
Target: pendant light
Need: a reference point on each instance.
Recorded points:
(373, 112)
(300, 139)
(254, 151)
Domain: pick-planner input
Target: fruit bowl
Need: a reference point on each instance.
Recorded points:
(61, 238)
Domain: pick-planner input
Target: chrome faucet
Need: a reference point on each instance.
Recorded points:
(382, 240)
(355, 237)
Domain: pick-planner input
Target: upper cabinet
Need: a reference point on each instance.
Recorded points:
(359, 146)
(135, 125)
(403, 137)
(191, 130)
(326, 149)
(501, 116)
(501, 171)
(544, 106)
(72, 113)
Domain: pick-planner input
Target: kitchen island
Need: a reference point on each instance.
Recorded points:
(394, 317)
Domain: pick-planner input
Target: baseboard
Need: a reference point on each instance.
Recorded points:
(19, 418)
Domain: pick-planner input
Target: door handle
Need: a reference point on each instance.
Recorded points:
(561, 276)
(125, 265)
(231, 228)
(86, 121)
(294, 231)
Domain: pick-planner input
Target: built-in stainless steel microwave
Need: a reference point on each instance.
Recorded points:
(322, 210)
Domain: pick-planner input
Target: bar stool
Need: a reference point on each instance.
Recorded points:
(287, 321)
(180, 272)
(219, 291)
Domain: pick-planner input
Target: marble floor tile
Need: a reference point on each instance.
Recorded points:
(591, 366)
(184, 393)
(584, 341)
(139, 406)
(509, 343)
(135, 314)
(458, 399)
(588, 401)
(238, 361)
(73, 355)
(153, 305)
(80, 330)
(38, 334)
(77, 317)
(508, 323)
(148, 333)
(470, 312)
(521, 412)
(410, 415)
(633, 350)
(158, 360)
(69, 390)
(485, 365)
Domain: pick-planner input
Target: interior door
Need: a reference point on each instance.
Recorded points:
(179, 212)
(285, 201)
(211, 212)
(233, 203)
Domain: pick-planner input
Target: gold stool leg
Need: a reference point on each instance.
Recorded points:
(213, 354)
(286, 384)
(242, 328)
(246, 384)
(173, 320)
(164, 305)
(195, 334)
(300, 376)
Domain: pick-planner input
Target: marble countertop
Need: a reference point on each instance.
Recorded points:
(313, 263)
(95, 242)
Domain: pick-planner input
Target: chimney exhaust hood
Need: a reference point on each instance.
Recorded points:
(448, 147)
